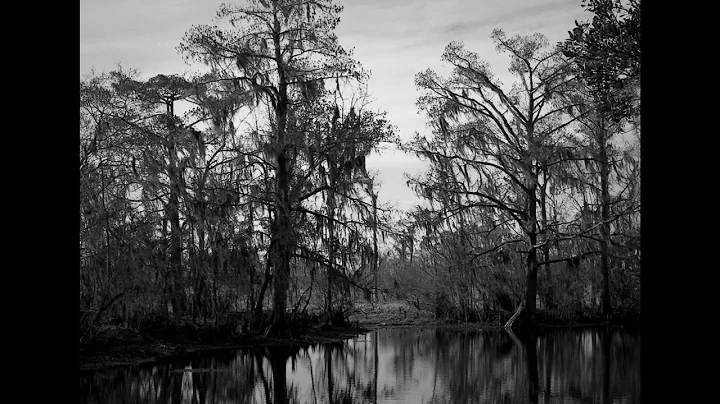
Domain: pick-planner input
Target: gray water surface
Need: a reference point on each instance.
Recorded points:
(393, 365)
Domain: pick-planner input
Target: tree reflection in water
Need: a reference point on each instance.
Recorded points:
(397, 365)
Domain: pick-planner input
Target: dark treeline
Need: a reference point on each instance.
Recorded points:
(533, 193)
(239, 196)
(255, 198)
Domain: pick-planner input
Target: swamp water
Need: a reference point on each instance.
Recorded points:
(393, 365)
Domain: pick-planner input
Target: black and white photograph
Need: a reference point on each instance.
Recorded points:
(360, 202)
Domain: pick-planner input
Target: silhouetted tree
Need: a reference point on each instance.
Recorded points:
(491, 149)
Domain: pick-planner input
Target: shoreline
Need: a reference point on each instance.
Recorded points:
(138, 349)
(120, 353)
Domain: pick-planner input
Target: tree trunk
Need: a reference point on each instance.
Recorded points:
(532, 262)
(258, 314)
(282, 236)
(376, 265)
(281, 230)
(108, 257)
(200, 264)
(510, 322)
(531, 295)
(331, 242)
(166, 276)
(549, 293)
(605, 225)
(178, 296)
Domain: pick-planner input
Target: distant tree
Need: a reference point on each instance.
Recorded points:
(104, 176)
(333, 181)
(600, 178)
(372, 189)
(174, 189)
(605, 53)
(158, 98)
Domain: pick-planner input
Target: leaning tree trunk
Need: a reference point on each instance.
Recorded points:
(510, 322)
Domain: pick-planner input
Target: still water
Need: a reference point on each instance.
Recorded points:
(393, 365)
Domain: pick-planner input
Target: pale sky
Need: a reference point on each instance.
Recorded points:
(394, 39)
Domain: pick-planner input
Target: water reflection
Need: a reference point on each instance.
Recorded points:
(400, 365)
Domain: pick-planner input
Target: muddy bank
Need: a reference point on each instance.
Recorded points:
(486, 326)
(432, 324)
(123, 347)
(117, 346)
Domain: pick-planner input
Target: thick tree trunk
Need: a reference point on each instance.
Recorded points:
(281, 264)
(531, 231)
(531, 291)
(258, 313)
(281, 283)
(532, 265)
(281, 229)
(549, 293)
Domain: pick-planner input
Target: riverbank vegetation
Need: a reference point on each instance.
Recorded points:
(237, 202)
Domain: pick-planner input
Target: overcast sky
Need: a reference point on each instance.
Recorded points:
(394, 39)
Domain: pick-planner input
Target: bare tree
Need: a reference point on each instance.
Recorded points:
(491, 149)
